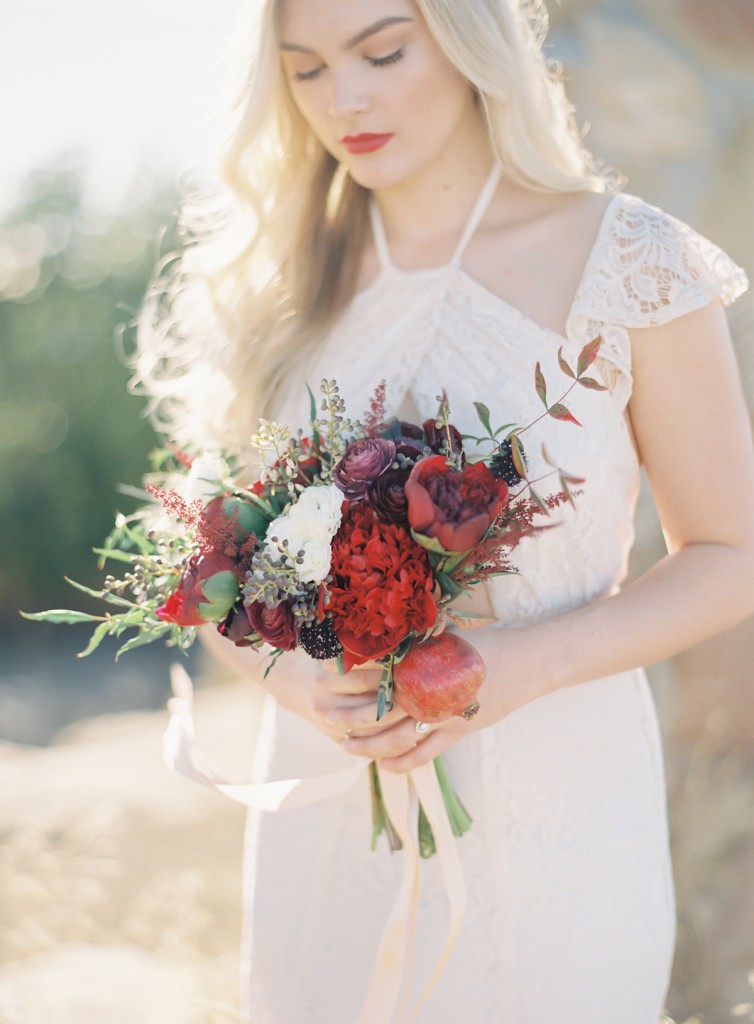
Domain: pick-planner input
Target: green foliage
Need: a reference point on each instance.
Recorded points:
(70, 281)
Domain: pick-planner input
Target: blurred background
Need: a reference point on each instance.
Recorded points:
(119, 883)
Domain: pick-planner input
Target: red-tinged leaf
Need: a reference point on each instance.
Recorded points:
(559, 412)
(547, 457)
(539, 384)
(571, 478)
(588, 354)
(564, 365)
(566, 490)
(591, 384)
(517, 454)
(538, 502)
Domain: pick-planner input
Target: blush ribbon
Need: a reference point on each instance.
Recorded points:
(402, 794)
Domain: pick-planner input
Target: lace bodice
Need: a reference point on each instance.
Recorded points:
(422, 331)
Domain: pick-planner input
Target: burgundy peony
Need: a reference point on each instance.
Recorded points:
(276, 626)
(456, 508)
(207, 591)
(381, 587)
(362, 463)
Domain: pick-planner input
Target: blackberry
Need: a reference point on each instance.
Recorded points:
(502, 466)
(319, 640)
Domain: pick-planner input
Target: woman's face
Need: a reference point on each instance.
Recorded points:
(375, 88)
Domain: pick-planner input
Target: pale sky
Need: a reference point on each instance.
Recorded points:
(125, 81)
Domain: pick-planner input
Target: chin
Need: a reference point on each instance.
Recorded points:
(375, 176)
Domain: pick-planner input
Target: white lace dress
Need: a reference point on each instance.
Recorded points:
(571, 913)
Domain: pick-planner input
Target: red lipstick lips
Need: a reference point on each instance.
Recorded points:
(365, 143)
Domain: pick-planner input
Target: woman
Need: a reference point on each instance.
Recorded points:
(412, 204)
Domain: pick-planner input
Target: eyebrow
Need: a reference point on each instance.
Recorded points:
(355, 40)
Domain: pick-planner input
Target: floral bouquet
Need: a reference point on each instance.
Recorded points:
(352, 544)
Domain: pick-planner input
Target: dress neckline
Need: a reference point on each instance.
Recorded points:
(388, 268)
(473, 221)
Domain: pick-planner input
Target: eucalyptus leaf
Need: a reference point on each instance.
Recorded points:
(61, 615)
(96, 639)
(147, 636)
(114, 555)
(110, 598)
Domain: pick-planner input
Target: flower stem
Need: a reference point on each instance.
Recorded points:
(380, 817)
(460, 819)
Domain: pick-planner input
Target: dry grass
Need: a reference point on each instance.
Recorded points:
(120, 883)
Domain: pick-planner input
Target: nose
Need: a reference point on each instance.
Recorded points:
(347, 96)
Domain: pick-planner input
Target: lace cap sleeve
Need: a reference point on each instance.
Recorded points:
(646, 269)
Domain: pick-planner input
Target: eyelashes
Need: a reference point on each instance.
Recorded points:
(392, 58)
(376, 62)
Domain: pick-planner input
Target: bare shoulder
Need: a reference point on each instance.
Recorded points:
(534, 248)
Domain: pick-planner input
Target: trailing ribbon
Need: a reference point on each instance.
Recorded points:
(402, 794)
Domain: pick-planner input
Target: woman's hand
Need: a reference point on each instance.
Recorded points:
(339, 706)
(515, 676)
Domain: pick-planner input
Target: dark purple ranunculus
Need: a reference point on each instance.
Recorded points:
(362, 463)
(410, 431)
(437, 437)
(387, 494)
(276, 626)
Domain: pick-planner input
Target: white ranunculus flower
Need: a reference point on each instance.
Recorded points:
(310, 526)
(203, 478)
(322, 503)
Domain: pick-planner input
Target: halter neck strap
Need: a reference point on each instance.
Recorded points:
(477, 212)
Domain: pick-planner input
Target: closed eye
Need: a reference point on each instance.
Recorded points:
(305, 76)
(391, 58)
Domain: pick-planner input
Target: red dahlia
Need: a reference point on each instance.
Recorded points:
(381, 586)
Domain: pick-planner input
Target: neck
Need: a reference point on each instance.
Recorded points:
(435, 204)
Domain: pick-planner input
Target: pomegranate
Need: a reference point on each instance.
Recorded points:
(439, 678)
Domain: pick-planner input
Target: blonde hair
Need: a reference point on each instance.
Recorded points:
(271, 262)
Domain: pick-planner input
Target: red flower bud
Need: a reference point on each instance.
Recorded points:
(207, 591)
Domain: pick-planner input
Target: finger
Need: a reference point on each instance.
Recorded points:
(424, 752)
(351, 682)
(327, 704)
(392, 742)
(331, 666)
(363, 716)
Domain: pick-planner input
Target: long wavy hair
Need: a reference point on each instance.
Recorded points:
(272, 259)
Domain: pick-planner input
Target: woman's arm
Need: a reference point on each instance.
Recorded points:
(694, 438)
